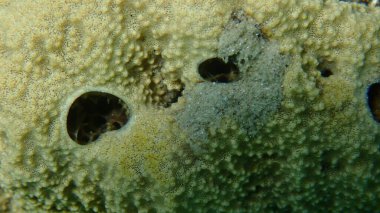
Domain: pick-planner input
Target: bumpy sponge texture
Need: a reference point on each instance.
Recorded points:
(310, 141)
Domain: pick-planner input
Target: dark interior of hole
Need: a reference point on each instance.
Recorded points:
(365, 2)
(171, 97)
(325, 72)
(93, 114)
(216, 70)
(373, 98)
(323, 68)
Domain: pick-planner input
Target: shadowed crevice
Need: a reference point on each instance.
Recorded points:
(93, 114)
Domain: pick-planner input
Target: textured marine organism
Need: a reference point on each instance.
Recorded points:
(372, 3)
(189, 106)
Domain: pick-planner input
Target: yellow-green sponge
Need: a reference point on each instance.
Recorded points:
(189, 106)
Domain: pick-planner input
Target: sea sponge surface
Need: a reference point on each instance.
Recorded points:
(282, 137)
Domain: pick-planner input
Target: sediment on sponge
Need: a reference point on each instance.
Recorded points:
(284, 136)
(243, 81)
(241, 91)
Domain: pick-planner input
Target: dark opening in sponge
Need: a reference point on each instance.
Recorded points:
(216, 70)
(93, 114)
(325, 69)
(373, 98)
(325, 73)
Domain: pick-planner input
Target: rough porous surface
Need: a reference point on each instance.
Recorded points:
(252, 99)
(307, 143)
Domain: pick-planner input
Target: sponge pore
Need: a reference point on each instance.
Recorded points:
(93, 114)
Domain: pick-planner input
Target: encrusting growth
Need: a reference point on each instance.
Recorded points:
(189, 106)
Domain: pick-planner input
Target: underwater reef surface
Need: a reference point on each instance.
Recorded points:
(366, 2)
(189, 106)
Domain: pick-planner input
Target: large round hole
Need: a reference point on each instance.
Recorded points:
(93, 114)
(373, 98)
(216, 70)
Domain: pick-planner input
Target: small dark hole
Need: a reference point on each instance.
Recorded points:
(216, 70)
(326, 73)
(116, 125)
(93, 114)
(365, 2)
(171, 97)
(373, 98)
(324, 68)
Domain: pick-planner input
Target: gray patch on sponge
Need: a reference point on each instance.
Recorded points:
(249, 101)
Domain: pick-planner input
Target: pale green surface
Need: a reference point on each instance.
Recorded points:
(316, 150)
